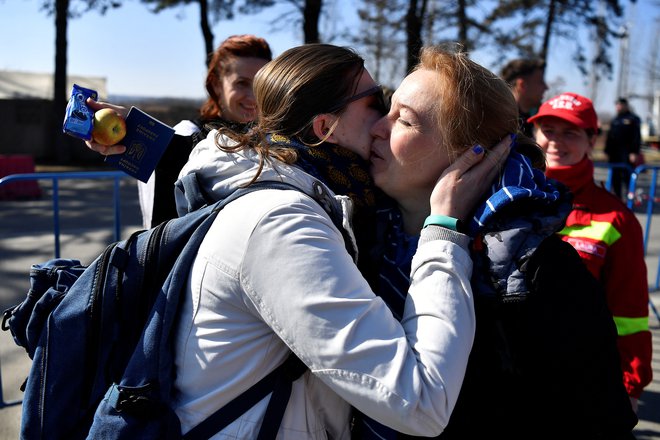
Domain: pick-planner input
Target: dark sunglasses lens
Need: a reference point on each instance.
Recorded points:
(380, 100)
(377, 92)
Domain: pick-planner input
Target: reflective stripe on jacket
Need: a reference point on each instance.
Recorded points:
(609, 239)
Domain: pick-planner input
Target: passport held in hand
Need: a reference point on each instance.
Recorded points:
(145, 141)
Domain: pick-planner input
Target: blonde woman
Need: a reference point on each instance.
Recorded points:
(544, 363)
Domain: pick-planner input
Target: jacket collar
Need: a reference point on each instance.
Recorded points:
(576, 177)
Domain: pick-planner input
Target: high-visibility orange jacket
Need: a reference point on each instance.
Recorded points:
(609, 239)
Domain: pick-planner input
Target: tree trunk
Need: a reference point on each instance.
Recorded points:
(58, 145)
(413, 34)
(463, 26)
(311, 16)
(548, 30)
(206, 30)
(378, 43)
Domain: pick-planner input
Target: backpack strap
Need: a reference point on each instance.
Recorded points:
(291, 370)
(278, 381)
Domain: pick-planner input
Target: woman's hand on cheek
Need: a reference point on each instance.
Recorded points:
(462, 185)
(106, 150)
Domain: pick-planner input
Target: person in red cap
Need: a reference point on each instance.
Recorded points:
(601, 228)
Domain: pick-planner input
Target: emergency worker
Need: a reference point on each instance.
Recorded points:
(601, 228)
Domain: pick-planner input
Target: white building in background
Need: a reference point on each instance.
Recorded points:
(654, 123)
(31, 85)
(26, 105)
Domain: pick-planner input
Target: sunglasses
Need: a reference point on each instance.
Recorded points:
(376, 91)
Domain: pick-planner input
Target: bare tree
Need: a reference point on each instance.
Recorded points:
(307, 13)
(430, 22)
(521, 21)
(59, 80)
(62, 11)
(414, 24)
(209, 11)
(378, 37)
(311, 13)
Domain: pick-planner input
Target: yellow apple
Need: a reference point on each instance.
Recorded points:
(109, 127)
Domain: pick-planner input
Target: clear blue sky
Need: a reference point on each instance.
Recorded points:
(146, 54)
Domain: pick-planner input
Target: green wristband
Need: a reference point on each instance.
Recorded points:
(445, 221)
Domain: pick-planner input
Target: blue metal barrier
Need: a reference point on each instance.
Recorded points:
(610, 173)
(56, 177)
(650, 203)
(632, 187)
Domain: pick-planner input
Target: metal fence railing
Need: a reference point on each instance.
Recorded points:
(642, 191)
(56, 177)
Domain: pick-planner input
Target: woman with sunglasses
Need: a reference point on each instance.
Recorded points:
(273, 274)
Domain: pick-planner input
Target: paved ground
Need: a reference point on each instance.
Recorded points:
(87, 222)
(26, 237)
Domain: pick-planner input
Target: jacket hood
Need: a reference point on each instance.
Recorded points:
(219, 173)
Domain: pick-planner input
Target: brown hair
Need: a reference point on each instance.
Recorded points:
(520, 68)
(292, 90)
(474, 105)
(247, 46)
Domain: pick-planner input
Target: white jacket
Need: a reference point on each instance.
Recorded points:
(273, 275)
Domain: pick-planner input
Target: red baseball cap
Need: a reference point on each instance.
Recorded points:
(570, 107)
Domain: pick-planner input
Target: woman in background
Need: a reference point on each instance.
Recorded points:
(230, 104)
(601, 228)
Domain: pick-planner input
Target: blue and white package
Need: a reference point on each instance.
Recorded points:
(78, 118)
